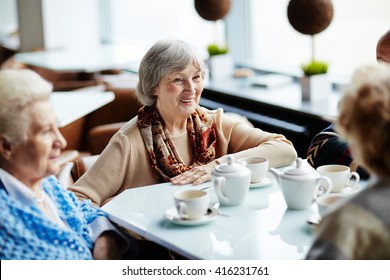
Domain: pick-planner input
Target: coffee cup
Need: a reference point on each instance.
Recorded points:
(340, 175)
(328, 202)
(258, 166)
(191, 204)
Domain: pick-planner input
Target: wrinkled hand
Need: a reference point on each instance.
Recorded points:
(197, 175)
(106, 247)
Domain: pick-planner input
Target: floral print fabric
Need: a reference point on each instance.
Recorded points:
(164, 158)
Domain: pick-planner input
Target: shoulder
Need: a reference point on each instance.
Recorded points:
(129, 127)
(54, 188)
(127, 134)
(224, 118)
(375, 199)
(212, 113)
(4, 203)
(353, 217)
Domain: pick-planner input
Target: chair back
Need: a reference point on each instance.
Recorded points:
(72, 171)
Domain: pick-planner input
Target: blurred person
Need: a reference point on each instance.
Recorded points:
(327, 147)
(383, 48)
(39, 219)
(360, 228)
(173, 139)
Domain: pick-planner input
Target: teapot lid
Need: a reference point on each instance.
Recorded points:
(230, 166)
(302, 168)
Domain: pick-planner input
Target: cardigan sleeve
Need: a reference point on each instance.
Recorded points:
(105, 178)
(240, 140)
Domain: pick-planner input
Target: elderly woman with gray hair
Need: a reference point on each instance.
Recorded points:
(173, 139)
(360, 228)
(40, 219)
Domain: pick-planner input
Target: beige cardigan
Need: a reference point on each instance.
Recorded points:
(124, 163)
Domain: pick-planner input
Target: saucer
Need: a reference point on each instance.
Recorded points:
(263, 183)
(350, 188)
(172, 216)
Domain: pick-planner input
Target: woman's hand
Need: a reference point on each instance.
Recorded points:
(197, 175)
(106, 247)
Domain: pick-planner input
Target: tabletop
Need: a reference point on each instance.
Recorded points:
(72, 105)
(261, 228)
(88, 60)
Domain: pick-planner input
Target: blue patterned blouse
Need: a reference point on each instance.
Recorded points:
(26, 233)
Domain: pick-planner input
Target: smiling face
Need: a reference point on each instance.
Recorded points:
(37, 155)
(179, 93)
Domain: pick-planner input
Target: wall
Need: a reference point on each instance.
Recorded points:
(8, 16)
(50, 24)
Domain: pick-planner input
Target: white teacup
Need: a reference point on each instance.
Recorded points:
(191, 204)
(328, 202)
(340, 175)
(258, 166)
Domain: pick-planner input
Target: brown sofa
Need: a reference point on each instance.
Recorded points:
(91, 133)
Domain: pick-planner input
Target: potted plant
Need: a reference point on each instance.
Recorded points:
(311, 17)
(315, 84)
(315, 68)
(220, 62)
(215, 49)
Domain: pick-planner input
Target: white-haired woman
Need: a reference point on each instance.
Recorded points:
(173, 138)
(360, 229)
(39, 219)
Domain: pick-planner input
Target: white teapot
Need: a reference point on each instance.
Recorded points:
(300, 186)
(231, 182)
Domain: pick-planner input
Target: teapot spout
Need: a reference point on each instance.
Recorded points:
(276, 173)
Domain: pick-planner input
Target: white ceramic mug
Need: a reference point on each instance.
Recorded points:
(258, 166)
(328, 202)
(340, 175)
(191, 204)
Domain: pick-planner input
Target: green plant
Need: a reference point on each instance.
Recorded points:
(214, 49)
(315, 68)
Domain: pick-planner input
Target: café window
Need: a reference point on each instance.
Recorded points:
(141, 23)
(350, 39)
(269, 40)
(259, 29)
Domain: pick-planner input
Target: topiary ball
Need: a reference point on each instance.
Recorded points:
(212, 9)
(310, 17)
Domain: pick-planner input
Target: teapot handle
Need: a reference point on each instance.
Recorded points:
(217, 182)
(326, 188)
(181, 208)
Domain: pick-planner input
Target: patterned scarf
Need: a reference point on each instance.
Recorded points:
(165, 160)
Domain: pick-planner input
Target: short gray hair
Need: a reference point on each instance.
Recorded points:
(164, 57)
(19, 88)
(365, 117)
